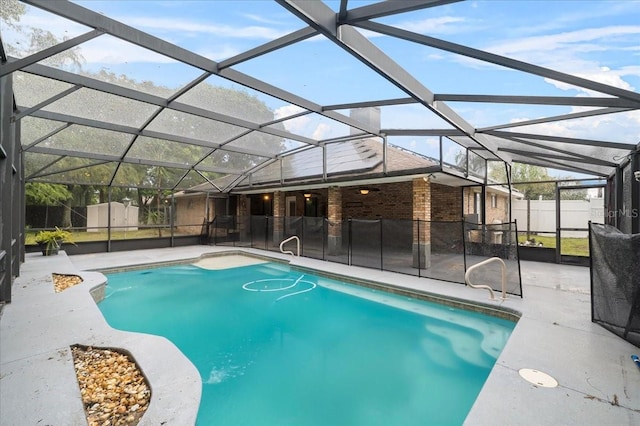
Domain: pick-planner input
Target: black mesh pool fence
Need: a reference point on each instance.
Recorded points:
(615, 281)
(442, 250)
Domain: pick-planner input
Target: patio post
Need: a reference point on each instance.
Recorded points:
(278, 217)
(334, 213)
(244, 217)
(421, 231)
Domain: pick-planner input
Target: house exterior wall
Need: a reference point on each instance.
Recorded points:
(318, 195)
(190, 213)
(392, 201)
(468, 195)
(501, 211)
(493, 214)
(446, 203)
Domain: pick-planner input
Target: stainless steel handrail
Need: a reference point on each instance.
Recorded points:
(484, 262)
(282, 250)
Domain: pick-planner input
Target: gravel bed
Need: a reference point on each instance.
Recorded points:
(62, 282)
(114, 391)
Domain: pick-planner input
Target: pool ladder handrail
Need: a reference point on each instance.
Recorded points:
(504, 277)
(282, 250)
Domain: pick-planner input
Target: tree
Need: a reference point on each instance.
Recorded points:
(45, 194)
(477, 164)
(523, 178)
(94, 105)
(11, 11)
(35, 39)
(49, 194)
(94, 175)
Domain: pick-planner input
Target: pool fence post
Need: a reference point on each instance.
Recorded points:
(349, 243)
(266, 232)
(381, 246)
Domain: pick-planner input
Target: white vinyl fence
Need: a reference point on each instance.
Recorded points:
(573, 214)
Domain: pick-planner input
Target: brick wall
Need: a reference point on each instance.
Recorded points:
(446, 203)
(401, 200)
(278, 204)
(421, 207)
(334, 212)
(500, 212)
(392, 201)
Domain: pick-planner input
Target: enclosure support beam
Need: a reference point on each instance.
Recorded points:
(323, 19)
(9, 191)
(499, 60)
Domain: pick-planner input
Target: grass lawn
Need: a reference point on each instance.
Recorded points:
(80, 236)
(570, 246)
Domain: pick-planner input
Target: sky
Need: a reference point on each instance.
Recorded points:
(594, 39)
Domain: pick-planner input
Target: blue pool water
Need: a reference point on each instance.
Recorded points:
(317, 352)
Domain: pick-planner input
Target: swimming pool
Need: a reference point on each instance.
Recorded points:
(276, 345)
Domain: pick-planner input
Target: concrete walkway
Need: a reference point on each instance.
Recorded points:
(38, 385)
(598, 384)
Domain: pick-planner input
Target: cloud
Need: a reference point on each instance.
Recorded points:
(411, 117)
(591, 71)
(574, 41)
(219, 51)
(299, 125)
(190, 27)
(262, 19)
(321, 131)
(109, 50)
(440, 25)
(620, 127)
(568, 52)
(599, 54)
(430, 26)
(286, 111)
(310, 126)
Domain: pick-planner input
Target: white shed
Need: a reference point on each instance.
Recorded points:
(122, 217)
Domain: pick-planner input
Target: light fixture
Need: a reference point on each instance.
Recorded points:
(364, 191)
(126, 201)
(266, 197)
(307, 195)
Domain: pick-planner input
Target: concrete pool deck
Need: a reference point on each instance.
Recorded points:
(597, 381)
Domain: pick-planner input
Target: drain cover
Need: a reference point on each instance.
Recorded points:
(538, 378)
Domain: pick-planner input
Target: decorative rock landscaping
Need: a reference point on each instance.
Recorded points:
(62, 282)
(114, 391)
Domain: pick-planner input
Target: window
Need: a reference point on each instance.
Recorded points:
(494, 201)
